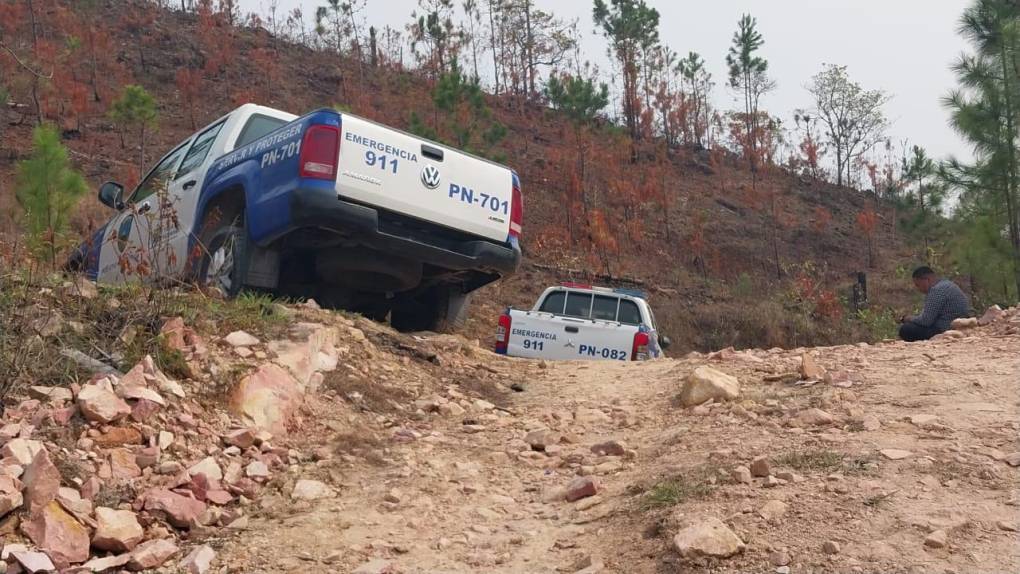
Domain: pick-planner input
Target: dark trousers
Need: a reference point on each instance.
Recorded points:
(911, 332)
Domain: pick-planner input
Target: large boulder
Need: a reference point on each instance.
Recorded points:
(267, 398)
(708, 538)
(706, 383)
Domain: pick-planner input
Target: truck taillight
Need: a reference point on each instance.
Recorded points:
(320, 152)
(640, 350)
(516, 210)
(503, 333)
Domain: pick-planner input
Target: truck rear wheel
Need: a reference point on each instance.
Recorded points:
(440, 309)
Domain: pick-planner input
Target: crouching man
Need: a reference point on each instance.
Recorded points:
(944, 301)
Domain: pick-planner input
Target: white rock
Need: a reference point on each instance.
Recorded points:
(306, 489)
(241, 339)
(708, 538)
(706, 383)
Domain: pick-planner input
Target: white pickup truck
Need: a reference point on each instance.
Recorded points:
(327, 205)
(582, 322)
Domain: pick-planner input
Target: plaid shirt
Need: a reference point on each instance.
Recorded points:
(943, 303)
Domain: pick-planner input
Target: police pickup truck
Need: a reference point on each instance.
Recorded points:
(327, 205)
(582, 322)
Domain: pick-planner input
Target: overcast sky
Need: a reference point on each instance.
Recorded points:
(904, 47)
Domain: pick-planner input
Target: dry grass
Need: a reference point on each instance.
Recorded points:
(41, 315)
(694, 483)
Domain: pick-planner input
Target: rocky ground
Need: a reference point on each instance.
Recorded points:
(344, 447)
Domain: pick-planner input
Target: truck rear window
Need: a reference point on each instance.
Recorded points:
(629, 313)
(578, 305)
(604, 308)
(258, 125)
(554, 302)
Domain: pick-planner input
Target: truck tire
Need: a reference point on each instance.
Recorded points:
(440, 310)
(223, 258)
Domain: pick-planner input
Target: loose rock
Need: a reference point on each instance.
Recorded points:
(815, 417)
(117, 530)
(306, 489)
(376, 566)
(896, 454)
(708, 538)
(936, 539)
(151, 554)
(741, 475)
(181, 511)
(581, 487)
(240, 339)
(99, 404)
(760, 466)
(33, 562)
(198, 560)
(773, 510)
(58, 534)
(706, 383)
(809, 369)
(830, 547)
(42, 481)
(610, 448)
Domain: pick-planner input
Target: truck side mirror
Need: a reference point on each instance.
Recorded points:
(111, 194)
(664, 342)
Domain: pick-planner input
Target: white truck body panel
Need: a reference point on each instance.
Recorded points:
(387, 168)
(572, 333)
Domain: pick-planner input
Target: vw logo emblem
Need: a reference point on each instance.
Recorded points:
(430, 176)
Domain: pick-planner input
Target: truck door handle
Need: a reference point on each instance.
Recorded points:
(189, 184)
(571, 329)
(432, 152)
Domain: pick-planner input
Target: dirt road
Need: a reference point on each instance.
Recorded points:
(460, 490)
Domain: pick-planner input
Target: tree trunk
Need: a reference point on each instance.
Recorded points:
(529, 51)
(141, 156)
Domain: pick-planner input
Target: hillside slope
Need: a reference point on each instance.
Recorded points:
(689, 229)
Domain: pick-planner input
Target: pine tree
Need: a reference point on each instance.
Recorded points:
(749, 76)
(582, 102)
(135, 108)
(48, 189)
(632, 28)
(985, 110)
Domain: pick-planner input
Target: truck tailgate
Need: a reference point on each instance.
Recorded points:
(387, 168)
(539, 335)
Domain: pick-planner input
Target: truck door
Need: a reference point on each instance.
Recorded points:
(134, 247)
(183, 194)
